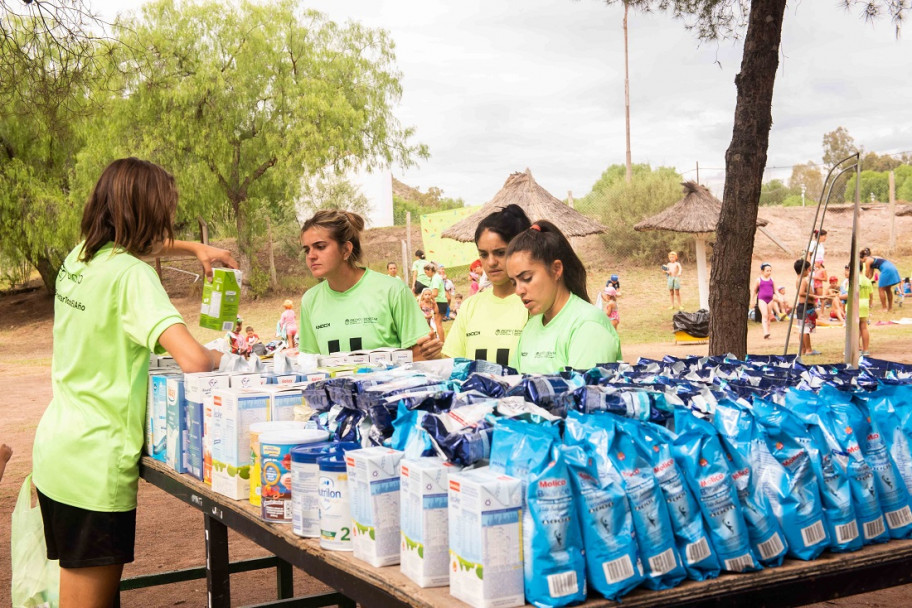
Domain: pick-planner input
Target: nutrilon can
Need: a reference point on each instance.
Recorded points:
(335, 514)
(305, 478)
(275, 474)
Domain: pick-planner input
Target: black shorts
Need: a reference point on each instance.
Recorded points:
(419, 288)
(82, 539)
(442, 308)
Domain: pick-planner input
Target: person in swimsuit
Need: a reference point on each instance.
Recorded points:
(889, 276)
(610, 305)
(806, 308)
(762, 292)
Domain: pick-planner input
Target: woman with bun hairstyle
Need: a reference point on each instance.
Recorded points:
(354, 308)
(110, 313)
(489, 323)
(419, 279)
(564, 330)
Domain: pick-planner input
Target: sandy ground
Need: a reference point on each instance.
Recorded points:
(170, 534)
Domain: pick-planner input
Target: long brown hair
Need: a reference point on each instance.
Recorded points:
(132, 206)
(545, 243)
(343, 227)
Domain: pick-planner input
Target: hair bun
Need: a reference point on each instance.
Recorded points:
(355, 220)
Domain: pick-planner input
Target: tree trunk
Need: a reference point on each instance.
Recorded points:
(243, 237)
(48, 271)
(745, 161)
(273, 279)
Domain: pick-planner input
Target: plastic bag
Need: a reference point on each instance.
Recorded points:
(694, 323)
(36, 579)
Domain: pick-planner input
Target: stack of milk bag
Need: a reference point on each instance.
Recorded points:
(546, 488)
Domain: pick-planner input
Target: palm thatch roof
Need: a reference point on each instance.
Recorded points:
(521, 189)
(698, 213)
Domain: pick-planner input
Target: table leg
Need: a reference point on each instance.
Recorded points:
(284, 580)
(218, 583)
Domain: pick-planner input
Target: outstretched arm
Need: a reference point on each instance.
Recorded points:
(206, 254)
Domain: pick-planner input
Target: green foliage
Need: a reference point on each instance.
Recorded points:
(774, 192)
(619, 206)
(794, 200)
(878, 182)
(333, 192)
(810, 176)
(259, 281)
(244, 102)
(431, 202)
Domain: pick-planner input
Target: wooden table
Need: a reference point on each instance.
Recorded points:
(793, 584)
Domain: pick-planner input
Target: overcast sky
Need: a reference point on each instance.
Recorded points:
(496, 86)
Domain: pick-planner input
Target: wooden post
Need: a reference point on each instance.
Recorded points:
(406, 273)
(570, 198)
(702, 275)
(204, 230)
(852, 321)
(892, 212)
(408, 234)
(698, 172)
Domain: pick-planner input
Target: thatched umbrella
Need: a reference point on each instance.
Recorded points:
(697, 213)
(520, 189)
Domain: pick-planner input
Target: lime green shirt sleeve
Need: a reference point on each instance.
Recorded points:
(407, 315)
(307, 340)
(592, 343)
(145, 309)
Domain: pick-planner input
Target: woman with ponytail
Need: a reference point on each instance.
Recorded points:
(489, 323)
(353, 307)
(565, 329)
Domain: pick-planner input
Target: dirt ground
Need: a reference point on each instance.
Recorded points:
(170, 534)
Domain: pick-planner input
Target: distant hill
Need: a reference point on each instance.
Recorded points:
(406, 192)
(412, 200)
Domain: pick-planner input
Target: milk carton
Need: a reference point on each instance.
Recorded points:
(485, 515)
(373, 484)
(251, 380)
(424, 548)
(198, 389)
(233, 411)
(283, 400)
(156, 427)
(221, 297)
(176, 425)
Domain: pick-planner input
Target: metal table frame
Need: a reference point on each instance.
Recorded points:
(795, 583)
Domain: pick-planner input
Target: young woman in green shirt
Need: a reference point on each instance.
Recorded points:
(490, 322)
(110, 311)
(355, 308)
(564, 330)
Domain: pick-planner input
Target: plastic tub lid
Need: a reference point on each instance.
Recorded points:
(294, 437)
(311, 453)
(334, 463)
(277, 425)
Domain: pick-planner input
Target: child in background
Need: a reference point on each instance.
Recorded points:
(806, 309)
(865, 293)
(251, 339)
(610, 305)
(780, 306)
(234, 337)
(834, 301)
(474, 277)
(287, 328)
(614, 281)
(428, 307)
(820, 280)
(673, 273)
(454, 308)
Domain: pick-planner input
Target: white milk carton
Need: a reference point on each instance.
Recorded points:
(198, 388)
(485, 515)
(283, 400)
(251, 380)
(373, 485)
(233, 411)
(156, 429)
(424, 548)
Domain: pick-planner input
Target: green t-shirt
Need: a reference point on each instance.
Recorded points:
(579, 336)
(487, 327)
(108, 316)
(865, 289)
(437, 283)
(378, 311)
(420, 276)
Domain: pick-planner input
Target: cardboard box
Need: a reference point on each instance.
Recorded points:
(373, 485)
(283, 400)
(233, 411)
(195, 439)
(176, 433)
(198, 388)
(156, 425)
(221, 298)
(424, 550)
(485, 527)
(246, 380)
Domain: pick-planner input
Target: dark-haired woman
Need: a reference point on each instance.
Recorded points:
(110, 312)
(889, 276)
(564, 330)
(354, 308)
(490, 323)
(419, 279)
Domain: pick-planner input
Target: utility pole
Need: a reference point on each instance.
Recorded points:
(803, 188)
(698, 172)
(627, 97)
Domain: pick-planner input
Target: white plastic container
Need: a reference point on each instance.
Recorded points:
(335, 511)
(305, 482)
(275, 473)
(373, 483)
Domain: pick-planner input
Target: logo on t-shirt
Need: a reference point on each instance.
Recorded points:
(543, 354)
(323, 326)
(362, 321)
(470, 334)
(508, 332)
